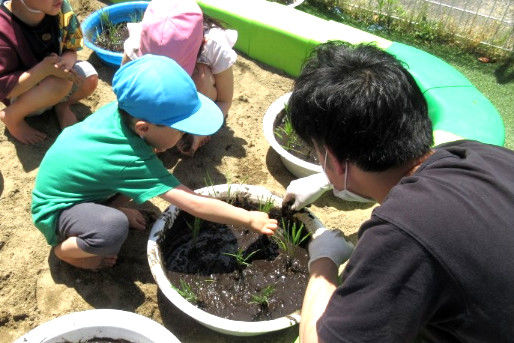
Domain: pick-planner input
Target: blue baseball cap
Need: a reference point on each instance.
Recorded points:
(158, 90)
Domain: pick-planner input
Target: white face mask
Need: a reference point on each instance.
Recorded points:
(345, 194)
(31, 10)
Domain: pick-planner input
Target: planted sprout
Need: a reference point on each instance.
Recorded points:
(290, 237)
(262, 298)
(195, 227)
(267, 205)
(286, 133)
(136, 17)
(109, 31)
(186, 292)
(241, 259)
(295, 232)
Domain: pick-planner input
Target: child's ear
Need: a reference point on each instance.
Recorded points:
(141, 127)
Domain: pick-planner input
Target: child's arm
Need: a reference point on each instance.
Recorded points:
(225, 88)
(218, 211)
(30, 78)
(217, 87)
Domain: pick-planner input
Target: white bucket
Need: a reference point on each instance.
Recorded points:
(223, 325)
(101, 323)
(295, 165)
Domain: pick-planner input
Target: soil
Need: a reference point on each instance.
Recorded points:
(35, 287)
(291, 142)
(224, 287)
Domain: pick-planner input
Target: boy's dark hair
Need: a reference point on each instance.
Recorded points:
(129, 120)
(363, 104)
(126, 118)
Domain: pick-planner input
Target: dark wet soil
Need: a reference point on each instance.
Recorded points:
(271, 285)
(112, 37)
(292, 143)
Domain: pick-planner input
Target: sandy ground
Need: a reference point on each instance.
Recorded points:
(35, 287)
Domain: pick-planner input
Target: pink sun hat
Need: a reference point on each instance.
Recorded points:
(173, 28)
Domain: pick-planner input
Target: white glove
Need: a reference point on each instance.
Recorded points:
(304, 191)
(331, 244)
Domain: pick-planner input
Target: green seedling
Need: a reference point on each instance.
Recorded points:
(186, 292)
(266, 205)
(136, 17)
(195, 227)
(262, 298)
(241, 259)
(295, 232)
(286, 132)
(109, 31)
(290, 237)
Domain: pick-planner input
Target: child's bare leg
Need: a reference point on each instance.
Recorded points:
(46, 94)
(69, 252)
(64, 114)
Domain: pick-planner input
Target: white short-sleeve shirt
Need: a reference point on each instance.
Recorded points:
(217, 51)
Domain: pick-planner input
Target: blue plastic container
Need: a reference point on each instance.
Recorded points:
(92, 27)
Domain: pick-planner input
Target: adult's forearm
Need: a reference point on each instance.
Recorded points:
(321, 286)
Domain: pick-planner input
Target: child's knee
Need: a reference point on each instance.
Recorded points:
(89, 85)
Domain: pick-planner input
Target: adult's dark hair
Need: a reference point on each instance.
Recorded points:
(363, 104)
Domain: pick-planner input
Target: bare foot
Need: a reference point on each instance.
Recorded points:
(91, 263)
(65, 115)
(190, 143)
(24, 133)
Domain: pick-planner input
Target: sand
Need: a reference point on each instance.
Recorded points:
(35, 287)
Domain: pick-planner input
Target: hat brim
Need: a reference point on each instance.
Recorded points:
(204, 122)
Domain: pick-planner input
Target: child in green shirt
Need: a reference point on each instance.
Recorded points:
(114, 153)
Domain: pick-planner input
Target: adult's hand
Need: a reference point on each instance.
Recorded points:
(331, 244)
(304, 191)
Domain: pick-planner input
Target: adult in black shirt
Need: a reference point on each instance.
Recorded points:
(435, 262)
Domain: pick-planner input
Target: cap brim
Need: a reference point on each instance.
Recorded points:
(206, 121)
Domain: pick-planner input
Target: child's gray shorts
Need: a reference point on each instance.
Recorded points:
(100, 229)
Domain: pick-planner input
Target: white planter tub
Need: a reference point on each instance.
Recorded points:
(295, 165)
(226, 326)
(114, 324)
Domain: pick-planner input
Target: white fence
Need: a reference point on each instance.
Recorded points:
(489, 22)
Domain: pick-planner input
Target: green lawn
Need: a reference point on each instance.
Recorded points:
(494, 80)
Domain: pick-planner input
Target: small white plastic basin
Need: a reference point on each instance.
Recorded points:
(105, 323)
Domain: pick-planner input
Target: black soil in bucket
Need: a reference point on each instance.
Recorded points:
(269, 284)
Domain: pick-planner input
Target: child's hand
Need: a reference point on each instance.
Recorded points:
(135, 218)
(260, 222)
(52, 65)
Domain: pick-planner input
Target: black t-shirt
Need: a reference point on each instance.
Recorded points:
(436, 259)
(43, 38)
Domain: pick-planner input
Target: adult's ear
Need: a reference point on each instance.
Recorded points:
(334, 163)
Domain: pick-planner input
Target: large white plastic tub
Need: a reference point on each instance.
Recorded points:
(226, 326)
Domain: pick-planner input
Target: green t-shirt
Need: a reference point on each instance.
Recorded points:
(90, 162)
